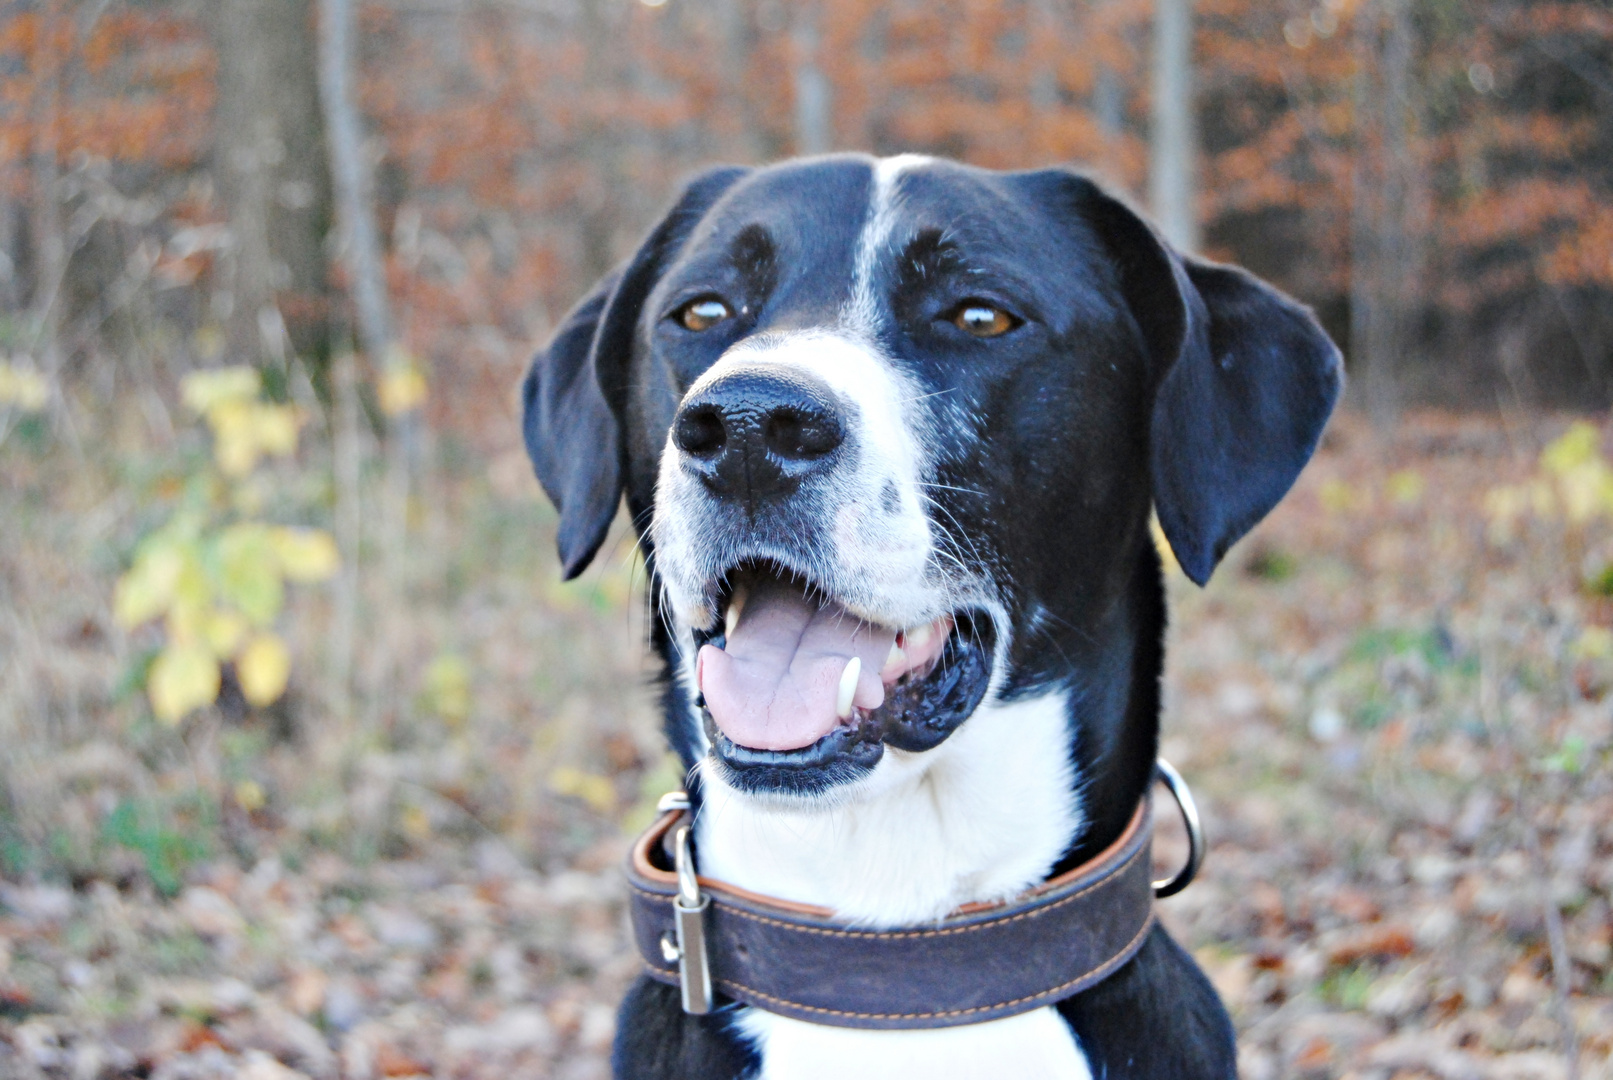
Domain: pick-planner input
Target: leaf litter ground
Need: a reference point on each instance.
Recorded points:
(1396, 716)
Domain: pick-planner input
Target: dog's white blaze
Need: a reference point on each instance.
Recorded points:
(861, 312)
(1036, 1044)
(980, 817)
(983, 816)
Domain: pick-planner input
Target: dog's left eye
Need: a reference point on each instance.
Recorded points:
(982, 320)
(702, 314)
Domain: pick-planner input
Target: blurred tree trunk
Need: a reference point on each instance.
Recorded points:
(734, 30)
(1108, 91)
(600, 143)
(1042, 90)
(46, 227)
(360, 244)
(271, 171)
(1385, 254)
(814, 129)
(1174, 136)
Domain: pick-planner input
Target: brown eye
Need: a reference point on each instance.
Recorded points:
(983, 320)
(703, 314)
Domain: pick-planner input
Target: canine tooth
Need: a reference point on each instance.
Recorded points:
(895, 661)
(920, 636)
(735, 603)
(848, 687)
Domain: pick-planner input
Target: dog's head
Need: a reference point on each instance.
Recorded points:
(888, 427)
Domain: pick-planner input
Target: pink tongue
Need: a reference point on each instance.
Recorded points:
(774, 685)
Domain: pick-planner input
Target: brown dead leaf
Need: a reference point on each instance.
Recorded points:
(1383, 942)
(391, 1061)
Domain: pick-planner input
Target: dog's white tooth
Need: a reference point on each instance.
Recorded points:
(848, 687)
(735, 604)
(894, 662)
(920, 636)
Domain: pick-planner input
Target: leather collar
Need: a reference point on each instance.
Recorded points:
(981, 962)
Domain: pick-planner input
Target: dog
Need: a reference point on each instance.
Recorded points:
(890, 433)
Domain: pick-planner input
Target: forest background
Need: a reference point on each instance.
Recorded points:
(310, 764)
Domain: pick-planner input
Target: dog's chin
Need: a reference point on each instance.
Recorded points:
(918, 714)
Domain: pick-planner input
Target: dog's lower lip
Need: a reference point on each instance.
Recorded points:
(922, 708)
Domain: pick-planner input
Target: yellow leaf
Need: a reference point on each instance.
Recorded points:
(275, 428)
(22, 387)
(235, 440)
(415, 822)
(305, 554)
(223, 630)
(1581, 492)
(249, 796)
(1594, 643)
(1406, 487)
(147, 589)
(249, 572)
(597, 791)
(447, 687)
(182, 678)
(1579, 445)
(402, 388)
(263, 668)
(1338, 497)
(204, 391)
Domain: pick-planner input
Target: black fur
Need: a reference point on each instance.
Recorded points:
(1134, 378)
(657, 1040)
(1156, 1018)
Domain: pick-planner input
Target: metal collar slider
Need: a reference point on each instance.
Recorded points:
(688, 947)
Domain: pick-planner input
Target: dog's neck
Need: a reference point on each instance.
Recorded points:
(981, 817)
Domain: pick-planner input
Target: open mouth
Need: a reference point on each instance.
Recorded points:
(799, 694)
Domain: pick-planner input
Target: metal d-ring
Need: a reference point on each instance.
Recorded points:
(1166, 773)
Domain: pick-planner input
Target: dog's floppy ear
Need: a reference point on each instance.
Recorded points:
(576, 390)
(1245, 382)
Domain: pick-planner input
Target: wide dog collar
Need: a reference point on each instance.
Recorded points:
(981, 962)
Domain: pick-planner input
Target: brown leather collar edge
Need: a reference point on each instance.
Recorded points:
(982, 962)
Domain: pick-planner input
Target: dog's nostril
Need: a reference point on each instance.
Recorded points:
(700, 431)
(798, 435)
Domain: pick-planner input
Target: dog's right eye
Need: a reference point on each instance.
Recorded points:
(702, 313)
(982, 319)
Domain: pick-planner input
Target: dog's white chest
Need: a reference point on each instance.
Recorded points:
(1037, 1045)
(981, 817)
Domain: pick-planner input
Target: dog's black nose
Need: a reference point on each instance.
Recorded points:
(756, 433)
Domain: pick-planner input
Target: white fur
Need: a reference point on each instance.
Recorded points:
(1036, 1045)
(981, 817)
(861, 311)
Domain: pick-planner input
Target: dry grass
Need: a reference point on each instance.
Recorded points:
(1400, 731)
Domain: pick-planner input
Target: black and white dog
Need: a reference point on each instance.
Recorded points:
(890, 432)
